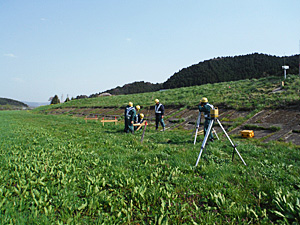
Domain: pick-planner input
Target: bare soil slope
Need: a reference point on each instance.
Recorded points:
(281, 125)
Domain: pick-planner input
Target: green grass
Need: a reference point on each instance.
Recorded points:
(61, 170)
(256, 127)
(241, 95)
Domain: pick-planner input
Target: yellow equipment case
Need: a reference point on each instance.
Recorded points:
(214, 113)
(247, 133)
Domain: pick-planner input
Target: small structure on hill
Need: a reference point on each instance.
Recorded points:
(104, 94)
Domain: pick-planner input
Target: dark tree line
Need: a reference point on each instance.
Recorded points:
(214, 71)
(133, 88)
(7, 101)
(232, 69)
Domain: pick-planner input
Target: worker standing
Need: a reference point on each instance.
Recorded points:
(130, 115)
(127, 113)
(205, 107)
(137, 109)
(125, 119)
(159, 114)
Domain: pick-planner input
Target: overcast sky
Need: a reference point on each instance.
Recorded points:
(82, 47)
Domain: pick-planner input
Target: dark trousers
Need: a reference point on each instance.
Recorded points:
(128, 125)
(159, 119)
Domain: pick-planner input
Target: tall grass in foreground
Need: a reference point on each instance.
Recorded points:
(61, 170)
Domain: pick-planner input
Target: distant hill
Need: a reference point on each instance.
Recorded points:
(216, 70)
(12, 103)
(133, 88)
(231, 69)
(36, 104)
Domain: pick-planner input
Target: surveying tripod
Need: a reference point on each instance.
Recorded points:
(197, 127)
(214, 115)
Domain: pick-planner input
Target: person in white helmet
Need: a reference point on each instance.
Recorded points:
(159, 114)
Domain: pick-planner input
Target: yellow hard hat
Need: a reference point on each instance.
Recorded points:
(204, 100)
(156, 100)
(130, 104)
(142, 115)
(138, 107)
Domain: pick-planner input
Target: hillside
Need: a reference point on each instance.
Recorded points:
(216, 70)
(132, 88)
(248, 94)
(260, 104)
(6, 103)
(231, 69)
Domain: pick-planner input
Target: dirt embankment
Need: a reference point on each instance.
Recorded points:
(282, 124)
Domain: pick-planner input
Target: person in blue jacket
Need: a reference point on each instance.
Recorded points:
(129, 118)
(205, 107)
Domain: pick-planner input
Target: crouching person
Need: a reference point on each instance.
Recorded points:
(140, 120)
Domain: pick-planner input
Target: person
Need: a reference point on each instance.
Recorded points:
(205, 107)
(125, 113)
(137, 109)
(140, 119)
(130, 115)
(159, 114)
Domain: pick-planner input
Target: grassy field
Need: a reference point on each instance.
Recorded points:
(61, 170)
(244, 94)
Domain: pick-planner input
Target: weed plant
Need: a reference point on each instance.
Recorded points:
(61, 170)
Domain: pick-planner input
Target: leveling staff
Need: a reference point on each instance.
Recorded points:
(205, 107)
(159, 114)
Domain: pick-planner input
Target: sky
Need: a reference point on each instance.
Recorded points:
(83, 47)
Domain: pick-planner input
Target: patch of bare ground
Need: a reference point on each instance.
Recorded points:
(281, 125)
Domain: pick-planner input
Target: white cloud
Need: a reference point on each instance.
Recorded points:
(128, 39)
(11, 55)
(43, 19)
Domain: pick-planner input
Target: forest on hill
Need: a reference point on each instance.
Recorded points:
(11, 102)
(133, 88)
(217, 70)
(231, 69)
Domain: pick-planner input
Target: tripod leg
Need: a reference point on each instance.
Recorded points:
(196, 136)
(214, 131)
(193, 132)
(197, 127)
(233, 145)
(205, 140)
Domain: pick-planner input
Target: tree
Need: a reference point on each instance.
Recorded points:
(55, 100)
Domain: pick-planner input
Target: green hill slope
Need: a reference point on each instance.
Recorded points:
(216, 70)
(246, 94)
(6, 103)
(231, 69)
